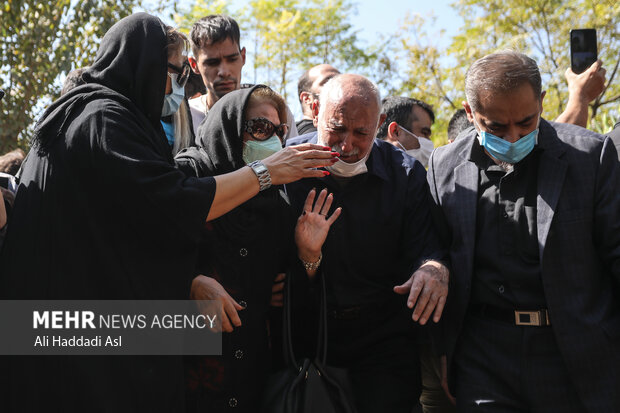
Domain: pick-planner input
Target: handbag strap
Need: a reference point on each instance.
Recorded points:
(287, 341)
(321, 347)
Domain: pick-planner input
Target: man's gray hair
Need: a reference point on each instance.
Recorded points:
(501, 72)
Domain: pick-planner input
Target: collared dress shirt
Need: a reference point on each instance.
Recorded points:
(507, 266)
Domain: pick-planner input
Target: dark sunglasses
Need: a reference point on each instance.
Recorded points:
(183, 72)
(262, 128)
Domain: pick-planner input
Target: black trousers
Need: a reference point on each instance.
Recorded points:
(501, 367)
(380, 352)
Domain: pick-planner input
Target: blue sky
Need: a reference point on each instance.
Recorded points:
(376, 16)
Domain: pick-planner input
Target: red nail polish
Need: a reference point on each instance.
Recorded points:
(335, 154)
(327, 148)
(326, 173)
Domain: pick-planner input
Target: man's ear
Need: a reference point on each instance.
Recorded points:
(242, 52)
(469, 111)
(304, 97)
(315, 113)
(382, 118)
(392, 132)
(193, 64)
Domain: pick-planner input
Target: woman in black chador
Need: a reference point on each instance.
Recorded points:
(244, 253)
(103, 213)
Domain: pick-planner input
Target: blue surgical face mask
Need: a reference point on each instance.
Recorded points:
(169, 130)
(173, 100)
(259, 150)
(505, 151)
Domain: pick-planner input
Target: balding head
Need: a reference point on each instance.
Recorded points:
(352, 88)
(348, 115)
(321, 74)
(310, 85)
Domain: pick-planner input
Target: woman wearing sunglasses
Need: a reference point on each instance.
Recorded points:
(245, 252)
(175, 117)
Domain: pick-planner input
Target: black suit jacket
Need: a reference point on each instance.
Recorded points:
(578, 218)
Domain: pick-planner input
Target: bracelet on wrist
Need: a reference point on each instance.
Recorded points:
(262, 173)
(312, 266)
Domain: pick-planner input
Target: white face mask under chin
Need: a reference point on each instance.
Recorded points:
(346, 170)
(343, 169)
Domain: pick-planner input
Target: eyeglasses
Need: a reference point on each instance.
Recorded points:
(183, 73)
(262, 128)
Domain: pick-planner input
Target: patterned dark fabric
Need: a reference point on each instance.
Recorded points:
(578, 230)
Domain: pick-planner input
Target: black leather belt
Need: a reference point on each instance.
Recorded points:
(539, 318)
(351, 313)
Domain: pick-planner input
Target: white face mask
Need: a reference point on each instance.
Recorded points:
(344, 169)
(347, 170)
(423, 153)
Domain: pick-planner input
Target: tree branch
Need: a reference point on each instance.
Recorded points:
(617, 97)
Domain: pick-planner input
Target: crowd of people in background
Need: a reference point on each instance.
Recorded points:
(479, 276)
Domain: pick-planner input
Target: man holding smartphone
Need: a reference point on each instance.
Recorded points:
(583, 88)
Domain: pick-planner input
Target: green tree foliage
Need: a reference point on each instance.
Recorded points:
(184, 18)
(272, 25)
(42, 41)
(539, 28)
(39, 42)
(289, 36)
(424, 71)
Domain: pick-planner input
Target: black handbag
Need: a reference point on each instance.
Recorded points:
(307, 386)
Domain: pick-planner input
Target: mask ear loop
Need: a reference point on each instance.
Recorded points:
(174, 78)
(412, 134)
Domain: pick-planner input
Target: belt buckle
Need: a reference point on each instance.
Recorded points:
(533, 318)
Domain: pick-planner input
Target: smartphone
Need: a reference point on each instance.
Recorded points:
(583, 50)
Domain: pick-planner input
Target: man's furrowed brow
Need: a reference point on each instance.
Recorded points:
(334, 123)
(492, 123)
(527, 119)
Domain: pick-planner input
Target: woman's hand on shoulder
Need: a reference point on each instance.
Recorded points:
(301, 161)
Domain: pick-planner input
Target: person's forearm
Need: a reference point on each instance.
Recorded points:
(233, 189)
(576, 113)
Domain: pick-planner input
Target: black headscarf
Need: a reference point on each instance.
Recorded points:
(125, 70)
(220, 151)
(102, 166)
(220, 137)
